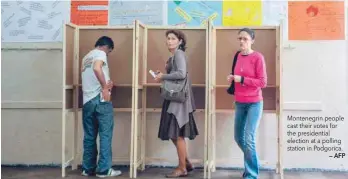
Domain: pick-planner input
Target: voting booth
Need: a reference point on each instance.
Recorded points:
(140, 48)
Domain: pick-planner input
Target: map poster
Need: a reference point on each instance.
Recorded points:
(194, 13)
(316, 20)
(242, 13)
(89, 12)
(122, 12)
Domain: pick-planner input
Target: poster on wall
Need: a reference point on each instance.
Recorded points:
(273, 12)
(125, 12)
(312, 20)
(242, 13)
(194, 13)
(33, 21)
(89, 12)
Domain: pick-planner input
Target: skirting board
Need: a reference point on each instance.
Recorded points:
(31, 104)
(303, 106)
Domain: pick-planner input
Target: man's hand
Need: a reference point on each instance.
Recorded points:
(106, 94)
(109, 85)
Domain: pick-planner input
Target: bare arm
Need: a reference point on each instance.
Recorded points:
(180, 62)
(97, 68)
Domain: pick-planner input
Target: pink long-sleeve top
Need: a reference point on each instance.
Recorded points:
(252, 69)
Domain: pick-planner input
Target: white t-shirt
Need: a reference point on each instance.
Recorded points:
(91, 86)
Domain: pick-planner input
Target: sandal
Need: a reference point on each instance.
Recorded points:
(189, 167)
(177, 173)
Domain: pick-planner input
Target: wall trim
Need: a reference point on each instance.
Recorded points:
(303, 106)
(32, 46)
(31, 105)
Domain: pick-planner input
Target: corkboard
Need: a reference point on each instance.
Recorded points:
(69, 54)
(227, 45)
(120, 59)
(158, 54)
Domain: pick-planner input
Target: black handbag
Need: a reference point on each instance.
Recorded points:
(175, 90)
(230, 90)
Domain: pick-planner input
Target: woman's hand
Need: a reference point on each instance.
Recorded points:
(159, 75)
(230, 78)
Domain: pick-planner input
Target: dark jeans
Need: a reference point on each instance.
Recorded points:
(97, 117)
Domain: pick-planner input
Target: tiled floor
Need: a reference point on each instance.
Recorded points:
(157, 173)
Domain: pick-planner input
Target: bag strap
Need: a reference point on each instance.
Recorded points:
(235, 61)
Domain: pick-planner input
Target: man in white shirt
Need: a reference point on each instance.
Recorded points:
(97, 110)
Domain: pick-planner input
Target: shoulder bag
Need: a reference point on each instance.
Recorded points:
(175, 90)
(230, 90)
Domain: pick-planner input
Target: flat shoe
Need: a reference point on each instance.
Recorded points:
(176, 174)
(189, 168)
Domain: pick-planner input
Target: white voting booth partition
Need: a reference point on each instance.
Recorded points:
(136, 95)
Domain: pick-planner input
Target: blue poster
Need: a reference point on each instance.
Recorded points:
(194, 13)
(122, 12)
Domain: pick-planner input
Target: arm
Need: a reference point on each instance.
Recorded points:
(261, 75)
(97, 68)
(180, 62)
(99, 61)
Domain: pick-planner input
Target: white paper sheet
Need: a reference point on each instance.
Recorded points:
(122, 12)
(33, 21)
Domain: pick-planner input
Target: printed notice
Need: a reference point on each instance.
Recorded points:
(89, 12)
(273, 12)
(312, 20)
(315, 134)
(33, 21)
(124, 12)
(242, 13)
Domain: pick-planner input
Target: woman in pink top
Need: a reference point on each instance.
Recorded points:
(249, 78)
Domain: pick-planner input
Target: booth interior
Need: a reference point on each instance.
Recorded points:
(136, 97)
(79, 40)
(224, 44)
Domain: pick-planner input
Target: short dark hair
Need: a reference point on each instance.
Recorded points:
(105, 40)
(180, 35)
(249, 31)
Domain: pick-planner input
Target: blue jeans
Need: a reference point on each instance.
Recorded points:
(97, 117)
(247, 120)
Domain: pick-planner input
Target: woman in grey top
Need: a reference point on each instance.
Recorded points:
(177, 121)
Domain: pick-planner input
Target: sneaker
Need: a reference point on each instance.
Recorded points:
(84, 173)
(111, 173)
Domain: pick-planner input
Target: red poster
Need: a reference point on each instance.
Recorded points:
(89, 12)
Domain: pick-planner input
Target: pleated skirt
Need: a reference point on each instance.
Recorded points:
(169, 127)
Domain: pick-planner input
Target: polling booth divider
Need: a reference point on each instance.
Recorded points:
(224, 44)
(78, 41)
(151, 54)
(135, 95)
